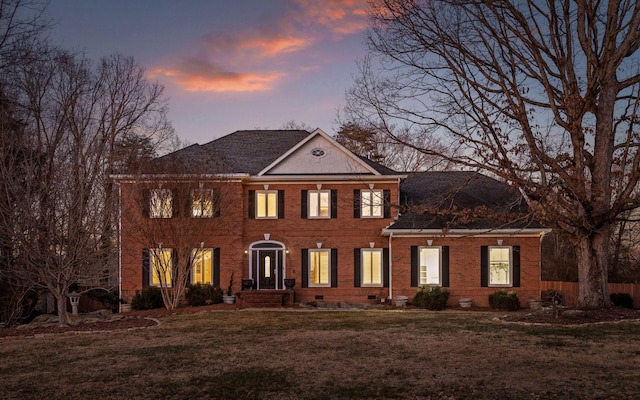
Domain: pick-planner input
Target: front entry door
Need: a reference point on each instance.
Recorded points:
(267, 269)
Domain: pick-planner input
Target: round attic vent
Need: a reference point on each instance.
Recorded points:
(318, 153)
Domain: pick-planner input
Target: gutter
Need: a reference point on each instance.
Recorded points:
(465, 232)
(390, 269)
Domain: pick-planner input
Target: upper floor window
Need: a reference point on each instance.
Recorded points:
(160, 203)
(319, 203)
(371, 203)
(266, 204)
(202, 203)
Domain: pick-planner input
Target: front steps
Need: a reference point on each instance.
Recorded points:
(265, 298)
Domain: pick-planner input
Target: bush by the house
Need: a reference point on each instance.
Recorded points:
(147, 298)
(200, 294)
(431, 297)
(108, 298)
(551, 297)
(503, 300)
(621, 300)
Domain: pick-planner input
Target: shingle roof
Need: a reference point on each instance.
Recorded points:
(242, 152)
(434, 200)
(239, 152)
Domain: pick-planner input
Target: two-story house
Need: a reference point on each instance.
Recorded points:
(290, 204)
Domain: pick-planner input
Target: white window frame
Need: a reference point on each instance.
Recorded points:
(492, 265)
(197, 255)
(315, 213)
(423, 267)
(363, 266)
(372, 203)
(200, 208)
(154, 271)
(313, 252)
(160, 203)
(266, 194)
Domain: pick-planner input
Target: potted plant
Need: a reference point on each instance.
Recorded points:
(228, 297)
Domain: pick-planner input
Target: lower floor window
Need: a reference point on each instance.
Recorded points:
(319, 268)
(161, 266)
(371, 267)
(500, 266)
(430, 261)
(202, 266)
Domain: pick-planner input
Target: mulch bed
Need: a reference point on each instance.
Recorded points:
(572, 316)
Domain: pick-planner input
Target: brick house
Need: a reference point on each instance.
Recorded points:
(276, 205)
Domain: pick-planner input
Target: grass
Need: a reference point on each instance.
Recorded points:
(328, 355)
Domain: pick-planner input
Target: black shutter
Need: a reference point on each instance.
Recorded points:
(385, 267)
(216, 267)
(305, 268)
(386, 196)
(445, 266)
(484, 266)
(304, 204)
(175, 271)
(175, 203)
(356, 203)
(146, 261)
(357, 280)
(252, 204)
(188, 212)
(334, 267)
(280, 204)
(415, 266)
(516, 266)
(146, 203)
(190, 268)
(215, 198)
(334, 203)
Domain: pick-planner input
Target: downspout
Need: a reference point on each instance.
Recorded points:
(119, 246)
(390, 269)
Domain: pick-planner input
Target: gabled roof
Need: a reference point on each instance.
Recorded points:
(253, 152)
(460, 200)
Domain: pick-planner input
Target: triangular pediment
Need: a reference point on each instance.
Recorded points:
(318, 154)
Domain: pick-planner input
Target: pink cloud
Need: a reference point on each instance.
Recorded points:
(342, 17)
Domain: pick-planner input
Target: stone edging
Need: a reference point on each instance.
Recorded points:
(89, 332)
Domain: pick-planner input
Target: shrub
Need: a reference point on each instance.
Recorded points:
(503, 300)
(149, 297)
(431, 297)
(551, 297)
(621, 300)
(108, 298)
(200, 294)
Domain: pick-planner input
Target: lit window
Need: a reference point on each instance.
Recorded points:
(319, 204)
(371, 203)
(161, 265)
(201, 271)
(371, 267)
(202, 203)
(319, 268)
(430, 263)
(500, 266)
(161, 203)
(267, 204)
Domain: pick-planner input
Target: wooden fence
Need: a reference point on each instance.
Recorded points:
(570, 291)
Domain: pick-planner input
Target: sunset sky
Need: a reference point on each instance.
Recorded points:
(228, 64)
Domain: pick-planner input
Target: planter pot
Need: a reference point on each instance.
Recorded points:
(226, 299)
(535, 304)
(466, 303)
(289, 283)
(247, 284)
(401, 301)
(125, 308)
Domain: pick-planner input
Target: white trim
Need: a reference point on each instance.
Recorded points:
(437, 233)
(155, 178)
(325, 179)
(318, 132)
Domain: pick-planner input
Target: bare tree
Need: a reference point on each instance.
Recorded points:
(544, 95)
(74, 114)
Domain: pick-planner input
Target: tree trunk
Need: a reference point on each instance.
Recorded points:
(63, 316)
(592, 257)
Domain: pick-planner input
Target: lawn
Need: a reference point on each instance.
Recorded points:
(328, 355)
